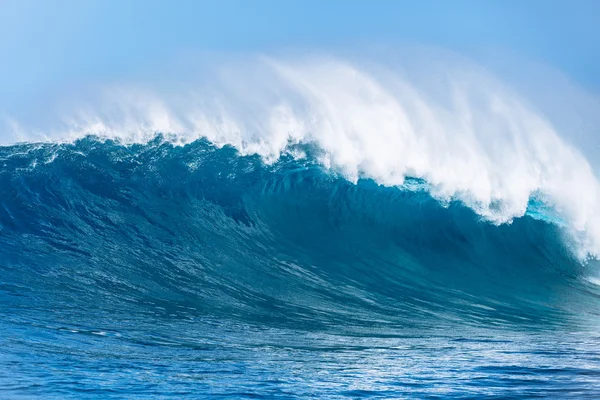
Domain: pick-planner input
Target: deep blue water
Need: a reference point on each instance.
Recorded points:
(155, 271)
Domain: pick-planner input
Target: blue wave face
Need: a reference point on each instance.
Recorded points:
(227, 235)
(156, 245)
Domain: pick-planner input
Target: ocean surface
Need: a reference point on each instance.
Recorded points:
(158, 270)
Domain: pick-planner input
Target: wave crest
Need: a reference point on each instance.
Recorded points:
(471, 137)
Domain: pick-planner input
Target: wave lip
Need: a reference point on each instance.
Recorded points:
(472, 137)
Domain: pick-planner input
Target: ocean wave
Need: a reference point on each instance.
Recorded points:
(96, 225)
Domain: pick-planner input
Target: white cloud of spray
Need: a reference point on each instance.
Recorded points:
(471, 136)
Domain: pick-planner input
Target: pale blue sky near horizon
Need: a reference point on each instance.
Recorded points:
(47, 44)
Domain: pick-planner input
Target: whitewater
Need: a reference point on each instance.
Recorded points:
(302, 226)
(467, 134)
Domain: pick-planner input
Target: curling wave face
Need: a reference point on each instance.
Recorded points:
(96, 224)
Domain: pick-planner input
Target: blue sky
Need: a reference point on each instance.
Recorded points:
(46, 44)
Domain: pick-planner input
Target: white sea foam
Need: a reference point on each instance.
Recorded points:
(472, 137)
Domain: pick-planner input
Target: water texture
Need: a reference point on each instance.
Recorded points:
(156, 270)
